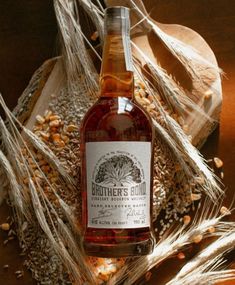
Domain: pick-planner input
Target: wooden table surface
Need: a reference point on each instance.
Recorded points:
(28, 36)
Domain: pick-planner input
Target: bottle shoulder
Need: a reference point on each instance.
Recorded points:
(116, 118)
(105, 108)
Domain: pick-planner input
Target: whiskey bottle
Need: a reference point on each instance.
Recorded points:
(116, 155)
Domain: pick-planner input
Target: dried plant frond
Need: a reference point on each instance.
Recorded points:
(220, 246)
(174, 241)
(74, 260)
(195, 64)
(77, 60)
(15, 193)
(20, 197)
(187, 155)
(63, 241)
(208, 272)
(195, 160)
(5, 182)
(96, 15)
(205, 278)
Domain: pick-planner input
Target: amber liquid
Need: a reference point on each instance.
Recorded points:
(114, 117)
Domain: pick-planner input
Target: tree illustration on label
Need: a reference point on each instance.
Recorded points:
(118, 171)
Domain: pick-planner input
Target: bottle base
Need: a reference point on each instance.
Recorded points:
(119, 250)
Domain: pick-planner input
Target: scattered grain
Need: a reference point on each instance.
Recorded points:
(5, 226)
(148, 275)
(44, 135)
(54, 118)
(198, 238)
(185, 128)
(218, 162)
(186, 219)
(181, 255)
(47, 115)
(95, 36)
(54, 124)
(5, 241)
(225, 211)
(211, 230)
(195, 197)
(208, 94)
(40, 119)
(71, 128)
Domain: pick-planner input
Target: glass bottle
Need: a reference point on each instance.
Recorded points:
(117, 155)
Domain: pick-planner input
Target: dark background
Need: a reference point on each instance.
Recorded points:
(28, 36)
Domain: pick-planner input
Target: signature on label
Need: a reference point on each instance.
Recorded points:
(132, 212)
(103, 213)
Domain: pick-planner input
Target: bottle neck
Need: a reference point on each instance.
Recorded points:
(116, 77)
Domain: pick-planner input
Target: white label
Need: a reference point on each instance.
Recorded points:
(118, 184)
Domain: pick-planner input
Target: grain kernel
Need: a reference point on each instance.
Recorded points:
(5, 227)
(54, 123)
(65, 138)
(39, 156)
(151, 106)
(181, 121)
(61, 143)
(26, 180)
(208, 94)
(146, 101)
(185, 128)
(45, 135)
(186, 219)
(225, 211)
(53, 130)
(37, 173)
(37, 180)
(218, 162)
(47, 115)
(95, 36)
(199, 180)
(177, 167)
(150, 97)
(71, 128)
(138, 100)
(142, 93)
(211, 230)
(56, 137)
(54, 117)
(37, 128)
(53, 179)
(30, 160)
(181, 255)
(46, 168)
(197, 238)
(195, 197)
(148, 275)
(40, 119)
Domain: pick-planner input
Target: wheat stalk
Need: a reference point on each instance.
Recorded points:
(174, 241)
(208, 272)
